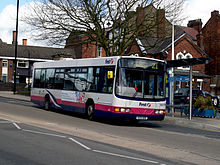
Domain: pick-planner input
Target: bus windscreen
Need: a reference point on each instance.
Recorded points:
(137, 78)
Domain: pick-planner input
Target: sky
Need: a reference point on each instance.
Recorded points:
(194, 9)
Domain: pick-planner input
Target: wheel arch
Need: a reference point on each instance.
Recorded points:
(47, 102)
(47, 97)
(89, 101)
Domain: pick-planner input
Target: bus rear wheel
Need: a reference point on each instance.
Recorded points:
(47, 103)
(90, 112)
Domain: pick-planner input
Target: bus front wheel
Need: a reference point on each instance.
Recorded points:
(90, 112)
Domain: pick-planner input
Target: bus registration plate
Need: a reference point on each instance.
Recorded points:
(141, 118)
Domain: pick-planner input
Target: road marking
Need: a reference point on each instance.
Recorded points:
(205, 129)
(127, 157)
(82, 145)
(17, 126)
(5, 122)
(43, 133)
(51, 123)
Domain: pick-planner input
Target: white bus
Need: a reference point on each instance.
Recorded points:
(116, 87)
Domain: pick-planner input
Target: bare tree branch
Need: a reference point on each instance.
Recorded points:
(112, 24)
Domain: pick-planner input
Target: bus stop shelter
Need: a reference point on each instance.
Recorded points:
(189, 63)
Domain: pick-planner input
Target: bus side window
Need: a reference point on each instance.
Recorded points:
(59, 79)
(80, 81)
(108, 81)
(90, 80)
(97, 78)
(42, 78)
(69, 81)
(36, 83)
(93, 79)
(50, 78)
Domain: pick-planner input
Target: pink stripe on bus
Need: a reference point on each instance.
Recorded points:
(101, 107)
(74, 104)
(140, 111)
(39, 98)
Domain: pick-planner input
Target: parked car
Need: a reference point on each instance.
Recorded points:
(215, 99)
(181, 96)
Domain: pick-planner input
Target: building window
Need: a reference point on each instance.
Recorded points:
(4, 77)
(182, 56)
(99, 51)
(22, 64)
(178, 84)
(5, 63)
(179, 56)
(187, 56)
(199, 83)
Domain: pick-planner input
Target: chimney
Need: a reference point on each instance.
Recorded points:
(214, 13)
(161, 23)
(196, 24)
(14, 37)
(24, 42)
(140, 16)
(199, 38)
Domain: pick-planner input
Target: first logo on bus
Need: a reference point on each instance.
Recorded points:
(109, 61)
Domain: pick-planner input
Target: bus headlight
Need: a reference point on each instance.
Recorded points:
(161, 112)
(123, 110)
(127, 110)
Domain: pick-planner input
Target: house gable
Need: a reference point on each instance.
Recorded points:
(186, 47)
(211, 33)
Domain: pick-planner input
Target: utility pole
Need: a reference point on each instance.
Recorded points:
(190, 93)
(172, 75)
(16, 49)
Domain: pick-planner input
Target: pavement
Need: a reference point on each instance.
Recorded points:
(211, 124)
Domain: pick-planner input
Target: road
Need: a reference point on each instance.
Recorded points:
(79, 140)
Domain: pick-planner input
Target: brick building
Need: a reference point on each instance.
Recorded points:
(157, 44)
(208, 39)
(26, 56)
(86, 50)
(187, 45)
(211, 45)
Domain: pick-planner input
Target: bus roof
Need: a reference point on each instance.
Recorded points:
(102, 61)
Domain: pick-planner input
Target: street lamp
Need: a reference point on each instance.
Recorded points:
(172, 72)
(16, 49)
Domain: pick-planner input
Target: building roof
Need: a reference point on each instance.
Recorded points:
(214, 14)
(34, 52)
(153, 45)
(190, 31)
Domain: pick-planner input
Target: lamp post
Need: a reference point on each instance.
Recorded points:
(29, 67)
(172, 73)
(16, 49)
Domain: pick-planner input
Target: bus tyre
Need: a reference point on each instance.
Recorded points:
(90, 112)
(47, 104)
(215, 102)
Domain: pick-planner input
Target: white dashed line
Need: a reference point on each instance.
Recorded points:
(82, 145)
(5, 122)
(16, 126)
(124, 156)
(43, 133)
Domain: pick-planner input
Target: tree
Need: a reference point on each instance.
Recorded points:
(112, 24)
